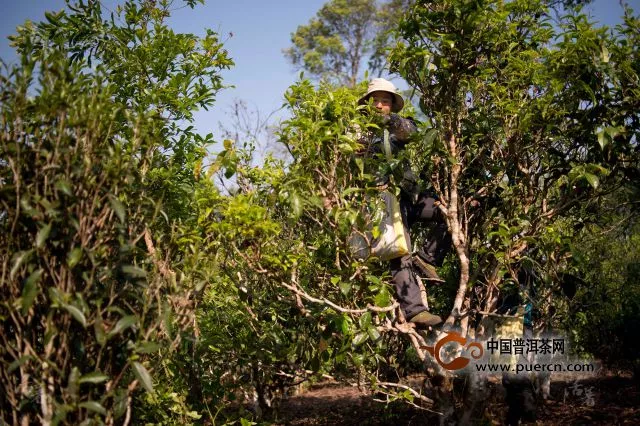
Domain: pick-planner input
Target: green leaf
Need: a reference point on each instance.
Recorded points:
(56, 296)
(30, 290)
(592, 179)
(147, 347)
(76, 313)
(346, 148)
(350, 190)
(603, 139)
(93, 406)
(373, 279)
(341, 324)
(430, 137)
(230, 171)
(296, 204)
(72, 382)
(365, 320)
(134, 271)
(19, 259)
(605, 54)
(345, 288)
(64, 186)
(167, 319)
(117, 207)
(383, 298)
(143, 375)
(94, 377)
(122, 324)
(360, 338)
(360, 165)
(52, 17)
(98, 328)
(18, 363)
(43, 234)
(375, 232)
(193, 415)
(74, 257)
(373, 333)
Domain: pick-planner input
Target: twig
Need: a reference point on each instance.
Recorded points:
(325, 301)
(130, 389)
(255, 265)
(406, 402)
(413, 392)
(162, 266)
(494, 314)
(299, 304)
(414, 336)
(324, 375)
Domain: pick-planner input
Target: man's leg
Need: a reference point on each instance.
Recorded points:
(408, 293)
(404, 280)
(403, 275)
(438, 242)
(407, 289)
(437, 245)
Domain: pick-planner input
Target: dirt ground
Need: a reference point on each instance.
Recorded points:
(606, 399)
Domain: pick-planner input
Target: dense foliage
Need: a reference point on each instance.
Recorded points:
(97, 174)
(533, 124)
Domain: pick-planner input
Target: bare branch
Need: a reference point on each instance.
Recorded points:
(327, 302)
(412, 391)
(162, 266)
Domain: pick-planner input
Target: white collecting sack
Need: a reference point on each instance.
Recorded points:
(392, 240)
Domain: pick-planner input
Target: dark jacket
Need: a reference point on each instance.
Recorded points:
(400, 131)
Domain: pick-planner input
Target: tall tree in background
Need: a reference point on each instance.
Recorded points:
(390, 13)
(336, 41)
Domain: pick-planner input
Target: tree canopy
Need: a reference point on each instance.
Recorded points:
(526, 118)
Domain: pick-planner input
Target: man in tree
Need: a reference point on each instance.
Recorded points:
(415, 205)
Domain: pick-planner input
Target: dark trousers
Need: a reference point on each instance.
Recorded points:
(433, 251)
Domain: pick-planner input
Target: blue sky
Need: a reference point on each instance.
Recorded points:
(261, 29)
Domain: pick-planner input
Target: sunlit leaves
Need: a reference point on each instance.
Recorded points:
(76, 313)
(42, 235)
(74, 256)
(94, 406)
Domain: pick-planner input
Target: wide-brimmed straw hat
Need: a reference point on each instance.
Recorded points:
(380, 84)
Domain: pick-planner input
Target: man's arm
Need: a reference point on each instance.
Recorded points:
(402, 128)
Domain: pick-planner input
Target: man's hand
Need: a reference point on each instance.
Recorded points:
(381, 120)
